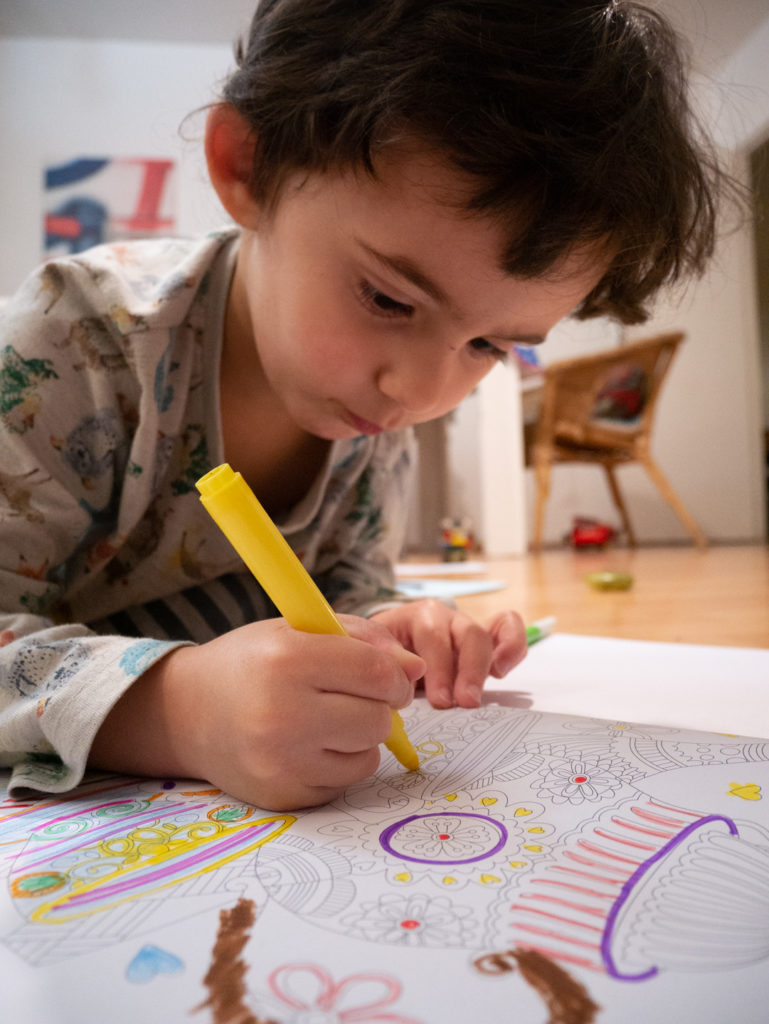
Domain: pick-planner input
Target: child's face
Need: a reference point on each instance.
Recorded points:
(373, 305)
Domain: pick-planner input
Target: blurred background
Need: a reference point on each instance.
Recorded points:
(106, 95)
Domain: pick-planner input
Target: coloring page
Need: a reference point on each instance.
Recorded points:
(537, 868)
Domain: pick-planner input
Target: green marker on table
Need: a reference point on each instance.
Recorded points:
(540, 629)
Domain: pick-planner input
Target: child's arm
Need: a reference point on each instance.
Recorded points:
(273, 716)
(62, 444)
(57, 683)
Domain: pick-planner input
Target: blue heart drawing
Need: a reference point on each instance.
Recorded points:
(151, 961)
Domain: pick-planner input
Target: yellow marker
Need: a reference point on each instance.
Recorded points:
(239, 515)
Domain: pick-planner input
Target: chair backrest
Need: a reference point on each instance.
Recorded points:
(607, 398)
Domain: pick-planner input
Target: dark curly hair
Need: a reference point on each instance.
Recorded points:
(572, 116)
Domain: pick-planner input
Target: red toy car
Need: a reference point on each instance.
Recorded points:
(589, 533)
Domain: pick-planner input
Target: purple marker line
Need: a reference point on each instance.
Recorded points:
(106, 831)
(386, 837)
(74, 814)
(147, 879)
(37, 807)
(608, 932)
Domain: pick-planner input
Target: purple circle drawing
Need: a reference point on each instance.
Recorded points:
(443, 838)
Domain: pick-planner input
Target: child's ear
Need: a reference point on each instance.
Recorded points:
(230, 146)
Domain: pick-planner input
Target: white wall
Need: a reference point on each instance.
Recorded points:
(67, 98)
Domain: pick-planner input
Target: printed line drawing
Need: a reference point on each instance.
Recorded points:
(602, 850)
(119, 857)
(643, 888)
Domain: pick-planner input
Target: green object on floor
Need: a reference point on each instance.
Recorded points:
(609, 580)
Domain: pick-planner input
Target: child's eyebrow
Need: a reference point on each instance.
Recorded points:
(409, 271)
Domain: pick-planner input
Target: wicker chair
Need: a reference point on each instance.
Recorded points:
(600, 409)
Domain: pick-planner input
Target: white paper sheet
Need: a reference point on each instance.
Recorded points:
(723, 689)
(442, 589)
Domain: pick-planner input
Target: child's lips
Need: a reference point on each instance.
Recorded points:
(364, 426)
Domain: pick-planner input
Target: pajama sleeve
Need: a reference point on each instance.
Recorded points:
(64, 448)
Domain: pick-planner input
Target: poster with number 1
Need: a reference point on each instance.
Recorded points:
(91, 200)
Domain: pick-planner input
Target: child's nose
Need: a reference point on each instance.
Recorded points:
(416, 381)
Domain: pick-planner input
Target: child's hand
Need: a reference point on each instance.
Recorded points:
(459, 654)
(276, 717)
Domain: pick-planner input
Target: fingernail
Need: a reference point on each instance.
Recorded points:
(501, 668)
(474, 693)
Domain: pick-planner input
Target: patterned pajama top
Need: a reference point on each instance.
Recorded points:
(109, 413)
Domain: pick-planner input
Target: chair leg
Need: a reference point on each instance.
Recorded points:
(670, 496)
(542, 479)
(616, 494)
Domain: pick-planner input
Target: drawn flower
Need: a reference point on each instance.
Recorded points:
(412, 920)
(444, 838)
(311, 996)
(576, 780)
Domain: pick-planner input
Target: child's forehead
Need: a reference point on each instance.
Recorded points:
(402, 168)
(416, 165)
(415, 191)
(410, 186)
(406, 229)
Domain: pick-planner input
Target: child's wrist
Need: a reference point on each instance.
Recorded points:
(146, 731)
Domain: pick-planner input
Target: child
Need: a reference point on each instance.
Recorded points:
(417, 186)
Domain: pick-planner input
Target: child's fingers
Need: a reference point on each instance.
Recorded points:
(430, 635)
(508, 634)
(342, 770)
(335, 742)
(327, 778)
(474, 653)
(439, 670)
(379, 636)
(352, 666)
(457, 653)
(352, 725)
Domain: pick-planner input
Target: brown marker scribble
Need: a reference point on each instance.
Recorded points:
(225, 979)
(495, 963)
(566, 999)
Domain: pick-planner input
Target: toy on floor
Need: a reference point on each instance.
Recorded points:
(609, 580)
(456, 539)
(590, 533)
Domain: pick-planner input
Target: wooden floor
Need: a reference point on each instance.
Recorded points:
(716, 596)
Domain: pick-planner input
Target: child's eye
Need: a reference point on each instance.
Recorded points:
(381, 304)
(482, 347)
